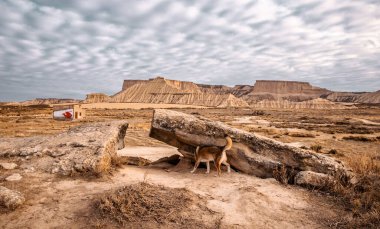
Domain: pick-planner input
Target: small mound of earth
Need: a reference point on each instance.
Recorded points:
(152, 206)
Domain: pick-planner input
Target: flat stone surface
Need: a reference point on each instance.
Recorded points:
(8, 166)
(149, 153)
(14, 177)
(89, 148)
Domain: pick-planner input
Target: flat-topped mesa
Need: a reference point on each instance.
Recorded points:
(287, 87)
(182, 85)
(160, 90)
(288, 90)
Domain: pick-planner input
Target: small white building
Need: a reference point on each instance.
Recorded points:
(68, 111)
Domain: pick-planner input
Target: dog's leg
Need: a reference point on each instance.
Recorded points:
(228, 166)
(195, 166)
(219, 165)
(208, 166)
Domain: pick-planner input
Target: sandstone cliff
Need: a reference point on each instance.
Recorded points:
(160, 90)
(288, 90)
(97, 98)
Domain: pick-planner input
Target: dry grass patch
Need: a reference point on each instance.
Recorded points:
(362, 197)
(302, 135)
(360, 138)
(151, 206)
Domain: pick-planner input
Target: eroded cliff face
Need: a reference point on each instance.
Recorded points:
(355, 97)
(283, 90)
(160, 90)
(97, 98)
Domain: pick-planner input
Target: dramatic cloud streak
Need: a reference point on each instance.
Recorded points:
(71, 48)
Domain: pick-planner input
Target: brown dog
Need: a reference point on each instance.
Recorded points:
(213, 153)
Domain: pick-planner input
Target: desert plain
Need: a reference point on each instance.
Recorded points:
(176, 197)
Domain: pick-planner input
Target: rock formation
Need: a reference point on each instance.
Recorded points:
(88, 148)
(288, 90)
(97, 98)
(160, 90)
(10, 199)
(354, 97)
(251, 153)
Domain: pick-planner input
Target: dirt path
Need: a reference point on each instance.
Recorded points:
(244, 201)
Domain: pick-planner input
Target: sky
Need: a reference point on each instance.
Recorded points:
(69, 48)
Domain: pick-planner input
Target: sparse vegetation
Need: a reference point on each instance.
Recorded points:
(302, 135)
(316, 148)
(332, 151)
(360, 138)
(284, 175)
(146, 205)
(362, 197)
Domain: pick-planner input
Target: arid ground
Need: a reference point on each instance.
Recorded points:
(231, 201)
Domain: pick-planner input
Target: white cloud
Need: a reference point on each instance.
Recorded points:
(88, 46)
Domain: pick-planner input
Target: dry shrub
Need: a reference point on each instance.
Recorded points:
(360, 138)
(332, 151)
(285, 175)
(362, 197)
(302, 135)
(151, 206)
(316, 148)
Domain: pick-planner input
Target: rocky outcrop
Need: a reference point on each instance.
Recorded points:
(286, 90)
(241, 90)
(10, 199)
(89, 148)
(251, 153)
(354, 97)
(164, 91)
(97, 98)
(309, 104)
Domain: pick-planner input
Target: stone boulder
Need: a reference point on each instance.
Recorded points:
(251, 153)
(10, 199)
(309, 178)
(89, 148)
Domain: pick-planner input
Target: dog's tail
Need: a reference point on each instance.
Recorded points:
(196, 151)
(228, 144)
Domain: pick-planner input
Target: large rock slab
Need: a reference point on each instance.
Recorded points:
(88, 148)
(251, 153)
(10, 199)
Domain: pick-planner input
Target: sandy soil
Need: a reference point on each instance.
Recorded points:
(244, 201)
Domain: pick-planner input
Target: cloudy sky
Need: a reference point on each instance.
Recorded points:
(56, 48)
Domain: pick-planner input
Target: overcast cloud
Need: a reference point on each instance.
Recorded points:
(52, 48)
